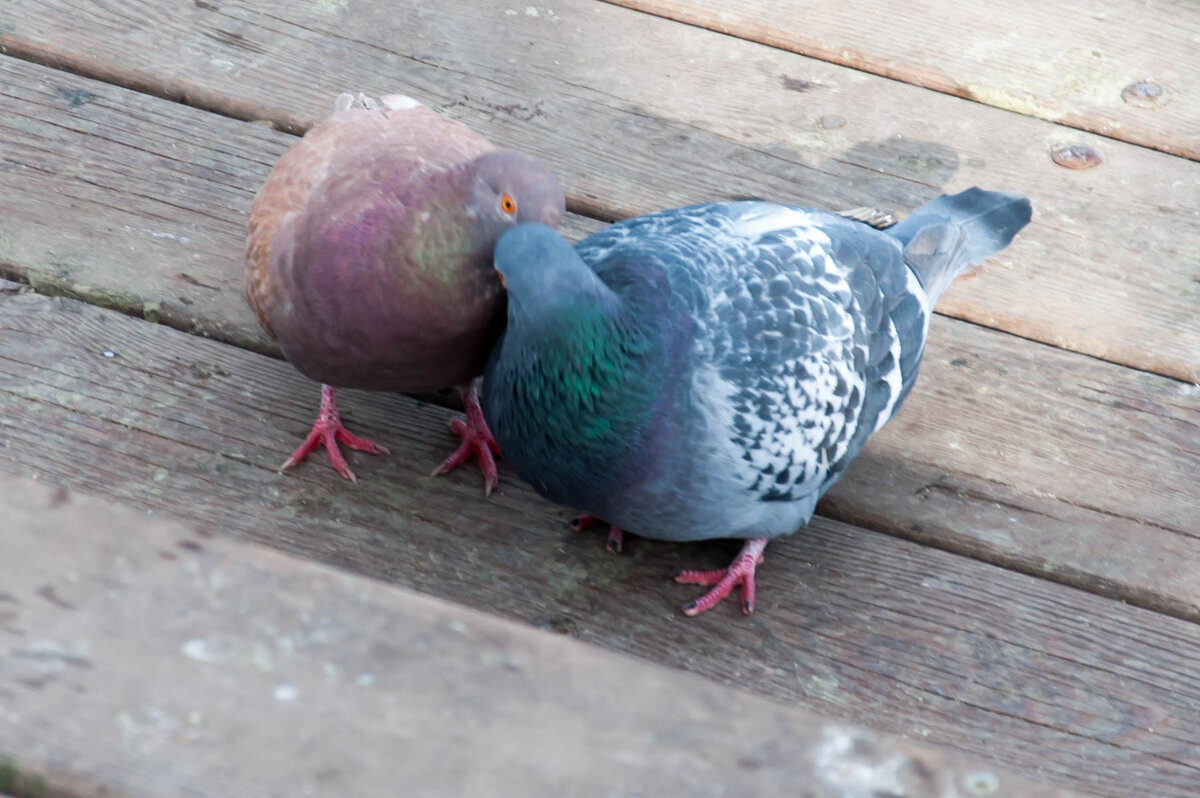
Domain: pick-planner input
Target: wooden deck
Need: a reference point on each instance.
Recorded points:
(1010, 570)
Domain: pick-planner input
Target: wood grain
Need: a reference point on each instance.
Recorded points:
(1041, 677)
(145, 658)
(156, 192)
(1008, 450)
(1068, 62)
(1109, 267)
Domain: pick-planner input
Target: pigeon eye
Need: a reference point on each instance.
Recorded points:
(508, 204)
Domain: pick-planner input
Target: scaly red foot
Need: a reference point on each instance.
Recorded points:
(328, 430)
(477, 440)
(739, 572)
(616, 536)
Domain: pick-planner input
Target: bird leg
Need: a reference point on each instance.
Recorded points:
(616, 536)
(740, 571)
(477, 440)
(328, 430)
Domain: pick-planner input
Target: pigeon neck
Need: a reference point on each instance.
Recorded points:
(598, 366)
(561, 300)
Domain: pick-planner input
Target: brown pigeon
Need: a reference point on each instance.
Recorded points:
(369, 259)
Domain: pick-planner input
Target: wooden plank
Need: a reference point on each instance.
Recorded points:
(1010, 451)
(1072, 62)
(1109, 267)
(155, 223)
(144, 658)
(1038, 676)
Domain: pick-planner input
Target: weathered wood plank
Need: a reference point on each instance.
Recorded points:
(156, 194)
(145, 659)
(1069, 62)
(201, 290)
(1109, 267)
(1046, 679)
(1011, 451)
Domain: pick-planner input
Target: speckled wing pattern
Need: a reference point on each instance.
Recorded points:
(809, 330)
(360, 129)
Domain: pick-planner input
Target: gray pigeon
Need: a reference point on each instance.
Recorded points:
(710, 371)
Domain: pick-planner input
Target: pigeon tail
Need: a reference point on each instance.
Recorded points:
(392, 102)
(942, 237)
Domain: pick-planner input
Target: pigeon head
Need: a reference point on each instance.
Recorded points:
(542, 272)
(512, 187)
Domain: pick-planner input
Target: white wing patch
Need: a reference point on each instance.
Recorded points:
(913, 286)
(893, 378)
(773, 218)
(793, 422)
(808, 429)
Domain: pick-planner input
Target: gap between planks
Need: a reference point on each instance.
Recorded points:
(113, 74)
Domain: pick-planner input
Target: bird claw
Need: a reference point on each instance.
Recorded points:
(328, 431)
(460, 428)
(480, 446)
(581, 522)
(724, 580)
(616, 536)
(477, 441)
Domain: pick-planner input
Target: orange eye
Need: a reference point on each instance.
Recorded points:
(508, 204)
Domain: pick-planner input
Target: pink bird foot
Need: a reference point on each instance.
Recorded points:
(740, 571)
(477, 440)
(616, 536)
(328, 430)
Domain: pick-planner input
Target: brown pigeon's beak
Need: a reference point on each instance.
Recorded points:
(500, 274)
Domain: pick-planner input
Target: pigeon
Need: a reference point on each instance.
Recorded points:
(368, 258)
(710, 371)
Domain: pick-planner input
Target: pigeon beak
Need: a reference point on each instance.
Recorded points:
(500, 274)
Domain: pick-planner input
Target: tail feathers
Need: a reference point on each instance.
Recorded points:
(346, 100)
(942, 237)
(392, 102)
